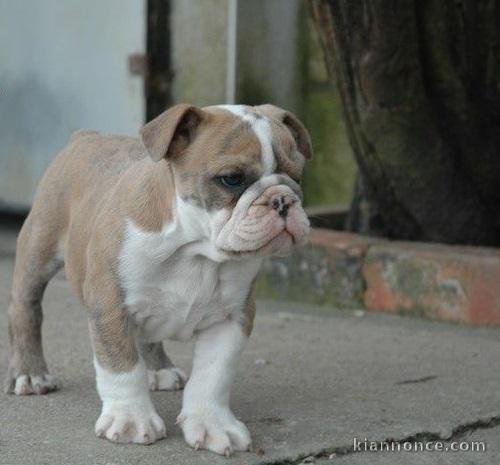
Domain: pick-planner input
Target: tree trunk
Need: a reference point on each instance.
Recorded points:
(420, 88)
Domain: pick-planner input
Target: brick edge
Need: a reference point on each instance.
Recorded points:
(345, 270)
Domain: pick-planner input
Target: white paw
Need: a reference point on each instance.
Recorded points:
(216, 430)
(138, 423)
(26, 384)
(166, 379)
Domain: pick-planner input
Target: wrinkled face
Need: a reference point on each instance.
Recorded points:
(241, 174)
(237, 173)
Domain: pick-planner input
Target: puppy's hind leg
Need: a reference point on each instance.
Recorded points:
(162, 374)
(36, 264)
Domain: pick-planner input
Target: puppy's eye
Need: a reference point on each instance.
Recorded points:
(232, 181)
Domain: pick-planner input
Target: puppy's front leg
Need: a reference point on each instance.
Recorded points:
(206, 419)
(128, 414)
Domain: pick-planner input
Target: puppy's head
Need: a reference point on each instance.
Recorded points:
(237, 171)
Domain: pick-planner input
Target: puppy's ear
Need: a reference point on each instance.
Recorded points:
(171, 132)
(297, 129)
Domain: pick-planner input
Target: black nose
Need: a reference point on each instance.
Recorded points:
(280, 204)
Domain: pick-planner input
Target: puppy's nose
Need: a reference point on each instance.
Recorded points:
(281, 203)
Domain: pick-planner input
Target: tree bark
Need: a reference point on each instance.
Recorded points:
(420, 87)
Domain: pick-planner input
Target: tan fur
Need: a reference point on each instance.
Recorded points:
(92, 185)
(79, 212)
(297, 129)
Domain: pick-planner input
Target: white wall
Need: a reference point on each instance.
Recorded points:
(63, 67)
(199, 51)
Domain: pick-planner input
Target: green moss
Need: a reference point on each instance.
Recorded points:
(329, 177)
(311, 275)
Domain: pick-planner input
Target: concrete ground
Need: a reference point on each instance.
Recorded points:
(308, 384)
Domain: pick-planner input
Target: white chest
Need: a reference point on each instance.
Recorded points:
(172, 289)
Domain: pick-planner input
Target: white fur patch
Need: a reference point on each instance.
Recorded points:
(206, 419)
(128, 415)
(166, 379)
(176, 281)
(26, 384)
(262, 129)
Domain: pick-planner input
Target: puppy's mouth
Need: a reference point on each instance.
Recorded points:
(278, 245)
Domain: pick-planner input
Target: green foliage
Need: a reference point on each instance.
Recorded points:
(329, 178)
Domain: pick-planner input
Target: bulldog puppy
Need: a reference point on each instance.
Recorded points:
(161, 237)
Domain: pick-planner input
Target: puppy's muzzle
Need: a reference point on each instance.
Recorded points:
(268, 219)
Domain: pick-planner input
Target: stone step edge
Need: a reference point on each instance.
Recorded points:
(348, 271)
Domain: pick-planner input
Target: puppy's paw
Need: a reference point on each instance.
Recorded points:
(166, 379)
(130, 423)
(217, 430)
(24, 385)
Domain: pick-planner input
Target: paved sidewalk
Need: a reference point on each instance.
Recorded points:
(307, 385)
